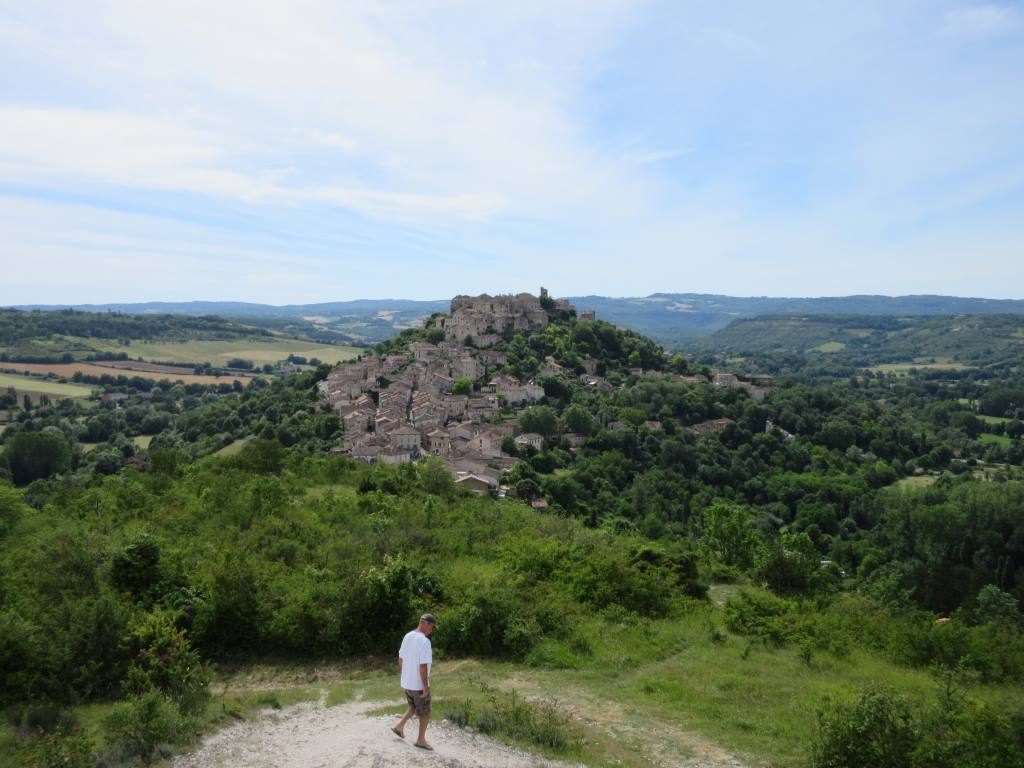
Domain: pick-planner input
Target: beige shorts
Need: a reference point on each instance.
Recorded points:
(418, 702)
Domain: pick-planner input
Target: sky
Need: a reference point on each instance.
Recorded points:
(310, 151)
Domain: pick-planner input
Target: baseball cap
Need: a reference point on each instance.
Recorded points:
(428, 618)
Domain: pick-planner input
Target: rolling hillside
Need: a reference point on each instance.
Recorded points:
(672, 319)
(970, 340)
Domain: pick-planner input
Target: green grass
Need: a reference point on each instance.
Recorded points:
(994, 419)
(829, 346)
(232, 448)
(338, 491)
(46, 386)
(259, 350)
(1002, 440)
(915, 481)
(142, 441)
(639, 689)
(902, 369)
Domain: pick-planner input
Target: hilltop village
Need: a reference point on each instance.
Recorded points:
(454, 399)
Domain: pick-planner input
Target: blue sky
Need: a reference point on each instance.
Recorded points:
(314, 151)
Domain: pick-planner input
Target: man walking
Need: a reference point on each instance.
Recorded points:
(414, 660)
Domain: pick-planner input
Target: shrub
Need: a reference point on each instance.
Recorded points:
(167, 663)
(136, 567)
(138, 726)
(883, 730)
(380, 606)
(66, 748)
(760, 614)
(539, 723)
(791, 565)
(876, 731)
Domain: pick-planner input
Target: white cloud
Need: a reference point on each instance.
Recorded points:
(450, 145)
(981, 21)
(424, 129)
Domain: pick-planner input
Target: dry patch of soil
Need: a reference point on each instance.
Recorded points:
(344, 736)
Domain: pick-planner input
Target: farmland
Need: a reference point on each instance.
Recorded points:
(902, 369)
(830, 346)
(35, 386)
(68, 370)
(258, 349)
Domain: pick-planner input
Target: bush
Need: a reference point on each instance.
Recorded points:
(139, 726)
(166, 662)
(66, 748)
(883, 730)
(876, 731)
(760, 614)
(791, 565)
(539, 723)
(136, 567)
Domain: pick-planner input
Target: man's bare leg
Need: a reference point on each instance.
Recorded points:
(421, 740)
(399, 729)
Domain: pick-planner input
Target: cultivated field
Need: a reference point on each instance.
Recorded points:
(257, 349)
(34, 387)
(135, 365)
(67, 370)
(902, 369)
(829, 346)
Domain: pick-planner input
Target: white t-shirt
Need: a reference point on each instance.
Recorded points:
(415, 650)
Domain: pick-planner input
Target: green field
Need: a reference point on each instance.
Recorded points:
(44, 386)
(902, 369)
(259, 350)
(915, 481)
(1002, 440)
(232, 448)
(994, 419)
(142, 441)
(829, 346)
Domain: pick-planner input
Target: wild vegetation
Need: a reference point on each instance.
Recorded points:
(857, 531)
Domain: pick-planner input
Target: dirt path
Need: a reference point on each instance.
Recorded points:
(344, 736)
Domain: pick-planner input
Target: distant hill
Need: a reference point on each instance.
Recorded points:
(364, 321)
(867, 340)
(672, 319)
(675, 318)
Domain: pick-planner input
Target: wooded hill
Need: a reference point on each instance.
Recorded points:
(668, 318)
(971, 340)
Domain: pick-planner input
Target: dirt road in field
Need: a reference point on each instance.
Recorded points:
(344, 736)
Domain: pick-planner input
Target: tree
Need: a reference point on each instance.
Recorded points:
(791, 564)
(540, 419)
(728, 534)
(462, 387)
(37, 455)
(577, 419)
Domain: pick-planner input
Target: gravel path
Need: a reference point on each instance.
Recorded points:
(344, 736)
